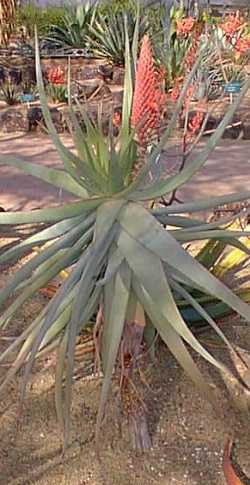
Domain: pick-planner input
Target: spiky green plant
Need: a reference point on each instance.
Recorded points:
(74, 29)
(57, 93)
(9, 92)
(128, 264)
(218, 259)
(107, 35)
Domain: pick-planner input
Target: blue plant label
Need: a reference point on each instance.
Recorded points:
(27, 98)
(232, 87)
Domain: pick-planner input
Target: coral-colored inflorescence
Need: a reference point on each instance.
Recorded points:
(195, 124)
(176, 91)
(242, 45)
(149, 98)
(56, 76)
(235, 32)
(232, 24)
(193, 49)
(184, 26)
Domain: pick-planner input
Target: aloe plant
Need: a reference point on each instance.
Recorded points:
(107, 35)
(218, 259)
(9, 92)
(128, 263)
(74, 29)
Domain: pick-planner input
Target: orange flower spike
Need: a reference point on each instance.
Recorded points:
(56, 76)
(184, 26)
(195, 124)
(232, 24)
(189, 95)
(148, 99)
(175, 92)
(190, 59)
(241, 47)
(192, 51)
(144, 83)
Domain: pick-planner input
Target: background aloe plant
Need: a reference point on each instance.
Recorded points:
(107, 34)
(128, 266)
(9, 92)
(74, 27)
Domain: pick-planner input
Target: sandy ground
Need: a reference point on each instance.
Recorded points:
(188, 435)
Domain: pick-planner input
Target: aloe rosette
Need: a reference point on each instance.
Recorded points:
(128, 263)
